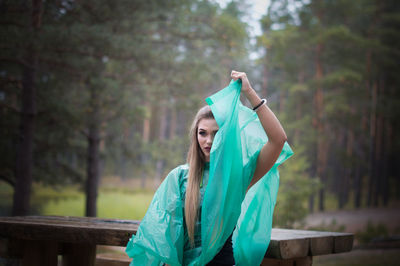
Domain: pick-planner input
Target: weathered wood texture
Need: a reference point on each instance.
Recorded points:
(38, 240)
(112, 260)
(285, 244)
(289, 244)
(69, 229)
(306, 261)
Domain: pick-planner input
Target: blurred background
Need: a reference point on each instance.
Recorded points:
(96, 99)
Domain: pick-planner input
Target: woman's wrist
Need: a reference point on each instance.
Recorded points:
(248, 90)
(252, 96)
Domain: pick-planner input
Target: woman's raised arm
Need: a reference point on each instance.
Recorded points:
(273, 128)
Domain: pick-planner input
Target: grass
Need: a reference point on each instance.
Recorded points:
(124, 206)
(115, 205)
(120, 202)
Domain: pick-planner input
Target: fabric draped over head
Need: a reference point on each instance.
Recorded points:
(226, 205)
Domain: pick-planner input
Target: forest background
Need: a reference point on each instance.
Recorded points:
(96, 99)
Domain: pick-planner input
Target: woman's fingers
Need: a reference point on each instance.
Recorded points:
(234, 75)
(237, 75)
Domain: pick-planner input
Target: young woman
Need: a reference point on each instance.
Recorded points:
(196, 211)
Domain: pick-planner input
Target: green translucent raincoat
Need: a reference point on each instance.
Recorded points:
(160, 236)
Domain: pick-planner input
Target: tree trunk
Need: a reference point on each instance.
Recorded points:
(265, 77)
(312, 175)
(299, 107)
(373, 90)
(24, 153)
(357, 186)
(386, 160)
(321, 142)
(282, 101)
(299, 114)
(24, 160)
(372, 145)
(93, 155)
(161, 138)
(378, 170)
(172, 127)
(363, 158)
(349, 169)
(122, 162)
(145, 140)
(340, 170)
(382, 148)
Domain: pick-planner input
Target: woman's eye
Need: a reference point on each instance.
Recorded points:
(202, 133)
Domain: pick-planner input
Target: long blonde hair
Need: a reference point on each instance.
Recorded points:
(195, 160)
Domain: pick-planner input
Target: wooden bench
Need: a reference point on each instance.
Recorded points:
(39, 240)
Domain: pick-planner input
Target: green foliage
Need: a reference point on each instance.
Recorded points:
(127, 54)
(294, 191)
(371, 232)
(330, 67)
(114, 205)
(6, 195)
(117, 201)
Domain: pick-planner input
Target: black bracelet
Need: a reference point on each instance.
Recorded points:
(258, 106)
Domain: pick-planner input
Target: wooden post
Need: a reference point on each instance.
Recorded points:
(40, 253)
(78, 254)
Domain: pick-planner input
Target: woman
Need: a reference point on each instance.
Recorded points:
(194, 212)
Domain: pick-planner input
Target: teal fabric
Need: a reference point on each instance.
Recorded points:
(160, 237)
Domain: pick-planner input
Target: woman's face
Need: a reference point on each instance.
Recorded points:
(206, 131)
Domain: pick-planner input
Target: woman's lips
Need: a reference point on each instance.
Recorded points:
(208, 149)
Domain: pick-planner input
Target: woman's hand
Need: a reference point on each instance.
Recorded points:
(246, 87)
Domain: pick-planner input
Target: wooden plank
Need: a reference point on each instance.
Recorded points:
(287, 244)
(321, 245)
(306, 261)
(72, 234)
(112, 260)
(97, 231)
(324, 242)
(276, 262)
(80, 222)
(343, 243)
(283, 246)
(320, 242)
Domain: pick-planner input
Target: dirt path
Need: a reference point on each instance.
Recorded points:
(356, 220)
